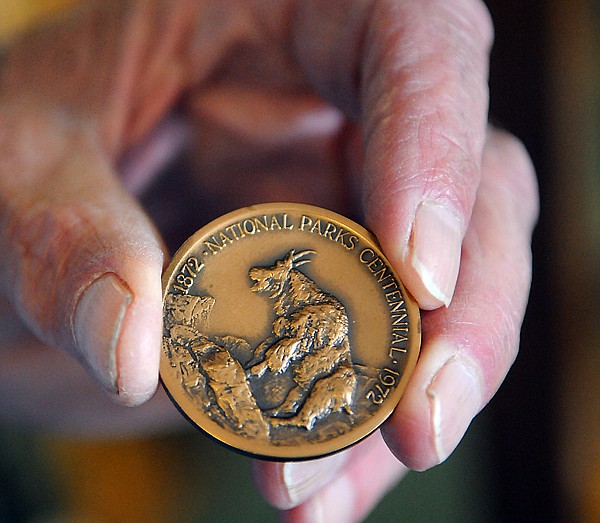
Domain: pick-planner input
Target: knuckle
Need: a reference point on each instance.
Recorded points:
(430, 150)
(450, 172)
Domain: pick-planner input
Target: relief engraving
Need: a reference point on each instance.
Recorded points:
(302, 376)
(310, 328)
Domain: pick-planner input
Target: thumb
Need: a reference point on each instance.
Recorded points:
(80, 261)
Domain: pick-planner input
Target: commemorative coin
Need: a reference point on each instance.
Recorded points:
(287, 335)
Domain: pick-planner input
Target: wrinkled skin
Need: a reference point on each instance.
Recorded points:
(376, 109)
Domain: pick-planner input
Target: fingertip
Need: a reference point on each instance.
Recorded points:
(334, 504)
(428, 263)
(434, 254)
(353, 493)
(138, 356)
(287, 485)
(443, 397)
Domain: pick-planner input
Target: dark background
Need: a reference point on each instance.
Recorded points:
(524, 414)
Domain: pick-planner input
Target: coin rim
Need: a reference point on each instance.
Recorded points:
(257, 449)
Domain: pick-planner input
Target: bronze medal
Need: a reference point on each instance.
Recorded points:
(287, 334)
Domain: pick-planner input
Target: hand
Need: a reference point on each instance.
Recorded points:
(408, 80)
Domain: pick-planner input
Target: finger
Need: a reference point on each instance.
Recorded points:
(287, 485)
(469, 347)
(80, 261)
(416, 75)
(355, 491)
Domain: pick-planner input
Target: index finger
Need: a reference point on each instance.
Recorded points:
(415, 73)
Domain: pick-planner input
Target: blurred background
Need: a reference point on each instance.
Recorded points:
(532, 455)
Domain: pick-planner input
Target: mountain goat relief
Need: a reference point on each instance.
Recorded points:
(308, 346)
(311, 329)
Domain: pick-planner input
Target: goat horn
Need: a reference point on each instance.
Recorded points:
(301, 254)
(301, 262)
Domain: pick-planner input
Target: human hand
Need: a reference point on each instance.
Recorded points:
(410, 81)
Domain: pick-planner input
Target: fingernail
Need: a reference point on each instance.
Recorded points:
(302, 479)
(436, 244)
(97, 325)
(455, 398)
